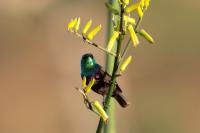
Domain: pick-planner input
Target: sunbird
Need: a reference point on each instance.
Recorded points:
(90, 69)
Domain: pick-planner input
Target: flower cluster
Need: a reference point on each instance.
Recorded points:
(123, 24)
(129, 23)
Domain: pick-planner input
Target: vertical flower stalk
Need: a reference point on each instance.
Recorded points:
(112, 64)
(120, 23)
(110, 127)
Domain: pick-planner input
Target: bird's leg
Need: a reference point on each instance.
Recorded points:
(110, 82)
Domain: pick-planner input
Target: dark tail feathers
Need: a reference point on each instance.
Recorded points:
(121, 100)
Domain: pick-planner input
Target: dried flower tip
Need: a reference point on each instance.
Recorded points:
(132, 7)
(146, 36)
(125, 64)
(91, 35)
(87, 26)
(71, 24)
(84, 82)
(89, 86)
(100, 110)
(77, 24)
(129, 20)
(133, 35)
(112, 40)
(126, 2)
(140, 12)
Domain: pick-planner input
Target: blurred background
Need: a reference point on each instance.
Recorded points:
(39, 68)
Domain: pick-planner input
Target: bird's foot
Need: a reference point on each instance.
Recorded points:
(112, 82)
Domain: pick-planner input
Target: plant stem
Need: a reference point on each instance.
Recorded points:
(109, 68)
(112, 67)
(94, 44)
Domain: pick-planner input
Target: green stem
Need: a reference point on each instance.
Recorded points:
(112, 67)
(108, 127)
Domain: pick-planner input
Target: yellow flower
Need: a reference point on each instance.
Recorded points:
(146, 3)
(146, 36)
(91, 35)
(100, 110)
(112, 40)
(133, 35)
(125, 64)
(126, 2)
(84, 82)
(89, 86)
(87, 26)
(132, 7)
(142, 3)
(140, 12)
(77, 24)
(129, 19)
(71, 24)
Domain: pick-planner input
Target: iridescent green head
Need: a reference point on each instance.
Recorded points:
(88, 63)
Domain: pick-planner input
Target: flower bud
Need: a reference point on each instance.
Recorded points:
(146, 36)
(91, 35)
(125, 64)
(100, 110)
(84, 82)
(77, 24)
(71, 24)
(140, 12)
(146, 3)
(87, 26)
(133, 35)
(112, 40)
(132, 7)
(89, 86)
(126, 2)
(129, 19)
(142, 3)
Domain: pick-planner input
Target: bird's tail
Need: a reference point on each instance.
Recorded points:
(121, 100)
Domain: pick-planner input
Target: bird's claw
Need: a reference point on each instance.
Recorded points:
(112, 82)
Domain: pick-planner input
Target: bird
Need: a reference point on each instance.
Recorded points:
(91, 69)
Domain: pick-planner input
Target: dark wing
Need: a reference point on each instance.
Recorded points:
(107, 79)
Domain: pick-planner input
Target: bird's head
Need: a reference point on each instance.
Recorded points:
(88, 61)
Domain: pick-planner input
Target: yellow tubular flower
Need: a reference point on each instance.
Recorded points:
(140, 12)
(88, 88)
(77, 24)
(142, 3)
(112, 40)
(91, 35)
(133, 35)
(146, 36)
(87, 26)
(146, 3)
(100, 110)
(125, 64)
(126, 2)
(71, 24)
(84, 82)
(132, 7)
(129, 19)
